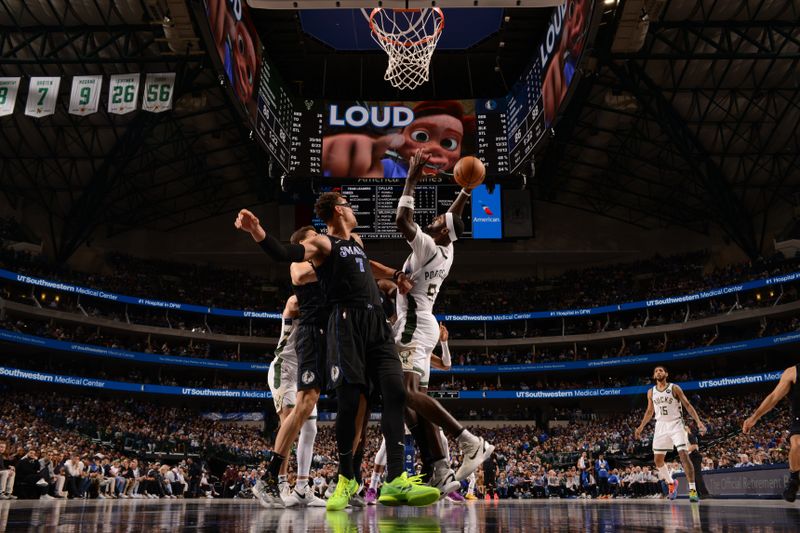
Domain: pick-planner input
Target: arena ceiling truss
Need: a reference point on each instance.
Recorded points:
(142, 169)
(688, 115)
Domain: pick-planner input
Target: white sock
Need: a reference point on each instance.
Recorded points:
(282, 479)
(305, 446)
(692, 486)
(445, 445)
(664, 473)
(380, 457)
(471, 488)
(375, 482)
(466, 437)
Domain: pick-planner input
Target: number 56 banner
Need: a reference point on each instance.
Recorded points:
(85, 94)
(158, 90)
(123, 92)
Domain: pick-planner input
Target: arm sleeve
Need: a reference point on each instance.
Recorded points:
(422, 245)
(291, 253)
(446, 354)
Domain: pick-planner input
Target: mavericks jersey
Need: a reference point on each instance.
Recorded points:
(667, 407)
(427, 267)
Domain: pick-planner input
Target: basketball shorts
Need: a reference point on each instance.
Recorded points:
(360, 347)
(311, 356)
(415, 342)
(282, 379)
(795, 427)
(669, 435)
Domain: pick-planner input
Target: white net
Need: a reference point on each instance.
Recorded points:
(409, 37)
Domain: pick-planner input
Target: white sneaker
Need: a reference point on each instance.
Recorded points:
(3, 496)
(46, 497)
(101, 497)
(475, 452)
(445, 481)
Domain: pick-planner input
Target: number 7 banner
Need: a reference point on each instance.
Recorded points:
(85, 95)
(158, 90)
(123, 93)
(42, 96)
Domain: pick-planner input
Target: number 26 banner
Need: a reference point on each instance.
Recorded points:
(85, 95)
(158, 89)
(123, 93)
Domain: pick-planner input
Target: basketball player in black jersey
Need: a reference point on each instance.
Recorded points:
(311, 354)
(788, 383)
(360, 349)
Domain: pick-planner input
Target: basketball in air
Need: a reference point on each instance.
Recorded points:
(469, 172)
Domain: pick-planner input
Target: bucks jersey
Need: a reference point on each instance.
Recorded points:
(285, 361)
(667, 407)
(427, 267)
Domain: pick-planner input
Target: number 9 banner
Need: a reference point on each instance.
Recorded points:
(85, 95)
(123, 93)
(158, 89)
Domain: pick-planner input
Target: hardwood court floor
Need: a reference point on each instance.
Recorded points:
(527, 516)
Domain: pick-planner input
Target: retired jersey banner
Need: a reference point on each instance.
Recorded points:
(123, 92)
(158, 90)
(8, 95)
(85, 96)
(42, 96)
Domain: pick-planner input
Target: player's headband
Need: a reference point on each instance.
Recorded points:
(448, 218)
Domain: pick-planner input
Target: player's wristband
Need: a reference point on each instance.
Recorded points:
(446, 354)
(405, 201)
(465, 192)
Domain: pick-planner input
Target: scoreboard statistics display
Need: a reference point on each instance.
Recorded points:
(375, 207)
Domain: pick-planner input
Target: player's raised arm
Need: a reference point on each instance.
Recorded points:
(316, 248)
(678, 393)
(405, 208)
(457, 207)
(648, 415)
(783, 387)
(292, 308)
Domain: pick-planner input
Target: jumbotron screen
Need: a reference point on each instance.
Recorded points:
(375, 207)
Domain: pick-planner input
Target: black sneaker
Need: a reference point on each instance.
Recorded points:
(790, 492)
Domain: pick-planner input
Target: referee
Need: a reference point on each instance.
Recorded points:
(697, 461)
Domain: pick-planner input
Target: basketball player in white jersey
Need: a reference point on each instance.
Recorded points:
(667, 401)
(282, 378)
(416, 332)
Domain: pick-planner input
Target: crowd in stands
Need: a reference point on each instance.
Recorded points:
(62, 446)
(215, 287)
(194, 348)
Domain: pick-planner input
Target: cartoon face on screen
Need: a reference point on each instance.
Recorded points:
(235, 47)
(439, 128)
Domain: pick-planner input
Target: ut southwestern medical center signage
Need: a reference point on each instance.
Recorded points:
(269, 315)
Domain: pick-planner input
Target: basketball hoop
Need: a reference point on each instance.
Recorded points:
(409, 37)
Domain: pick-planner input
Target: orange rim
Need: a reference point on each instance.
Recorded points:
(384, 38)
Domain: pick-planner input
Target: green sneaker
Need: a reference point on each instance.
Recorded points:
(693, 496)
(345, 488)
(408, 490)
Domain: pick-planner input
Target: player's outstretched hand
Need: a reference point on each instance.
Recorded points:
(702, 429)
(637, 433)
(748, 425)
(247, 221)
(417, 163)
(443, 333)
(404, 284)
